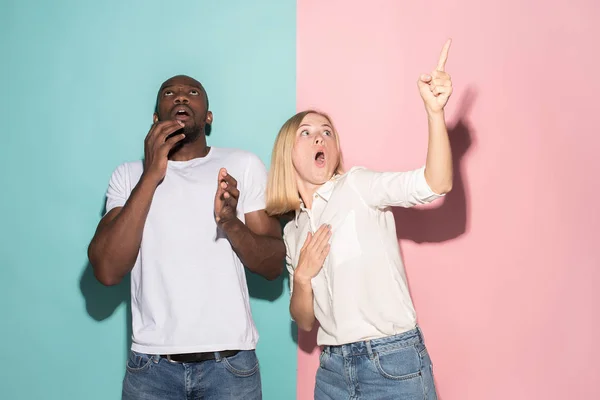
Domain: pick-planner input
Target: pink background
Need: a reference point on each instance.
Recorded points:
(504, 272)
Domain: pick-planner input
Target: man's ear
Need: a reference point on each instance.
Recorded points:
(155, 118)
(209, 117)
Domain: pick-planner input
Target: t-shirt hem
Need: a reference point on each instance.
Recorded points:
(251, 207)
(190, 349)
(114, 205)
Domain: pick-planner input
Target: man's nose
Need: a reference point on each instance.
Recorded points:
(180, 98)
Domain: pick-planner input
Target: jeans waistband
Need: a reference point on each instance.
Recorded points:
(379, 345)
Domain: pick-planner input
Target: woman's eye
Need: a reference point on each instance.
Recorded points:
(304, 133)
(327, 133)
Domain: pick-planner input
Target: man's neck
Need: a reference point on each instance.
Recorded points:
(189, 151)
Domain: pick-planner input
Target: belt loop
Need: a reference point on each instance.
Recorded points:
(420, 332)
(369, 348)
(218, 356)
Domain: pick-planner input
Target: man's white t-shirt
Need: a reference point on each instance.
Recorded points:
(188, 287)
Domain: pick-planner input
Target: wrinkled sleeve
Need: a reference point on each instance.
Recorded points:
(400, 189)
(255, 184)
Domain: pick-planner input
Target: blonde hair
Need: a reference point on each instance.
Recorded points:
(282, 190)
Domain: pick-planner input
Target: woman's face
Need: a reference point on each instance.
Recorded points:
(315, 154)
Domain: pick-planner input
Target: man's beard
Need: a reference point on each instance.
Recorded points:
(192, 133)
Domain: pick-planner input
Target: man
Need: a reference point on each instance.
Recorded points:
(184, 222)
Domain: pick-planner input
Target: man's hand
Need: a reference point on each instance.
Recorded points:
(226, 198)
(436, 88)
(157, 147)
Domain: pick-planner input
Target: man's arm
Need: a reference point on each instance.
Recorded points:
(258, 243)
(116, 243)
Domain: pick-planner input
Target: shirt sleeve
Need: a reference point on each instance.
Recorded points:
(254, 185)
(117, 192)
(400, 189)
(288, 264)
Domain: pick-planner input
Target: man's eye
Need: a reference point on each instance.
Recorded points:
(167, 93)
(194, 92)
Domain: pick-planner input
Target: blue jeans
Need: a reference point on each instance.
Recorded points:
(395, 367)
(150, 377)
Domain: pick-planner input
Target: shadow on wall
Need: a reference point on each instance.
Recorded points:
(102, 301)
(450, 219)
(260, 288)
(446, 222)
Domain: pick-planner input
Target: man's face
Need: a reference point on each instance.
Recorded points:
(183, 98)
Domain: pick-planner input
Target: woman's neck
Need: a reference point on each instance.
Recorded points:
(307, 191)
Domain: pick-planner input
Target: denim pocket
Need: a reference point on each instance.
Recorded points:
(137, 362)
(401, 364)
(244, 363)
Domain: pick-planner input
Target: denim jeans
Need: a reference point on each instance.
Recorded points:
(395, 367)
(150, 377)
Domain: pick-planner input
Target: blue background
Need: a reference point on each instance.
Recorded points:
(79, 81)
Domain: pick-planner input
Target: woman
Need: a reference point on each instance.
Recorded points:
(345, 267)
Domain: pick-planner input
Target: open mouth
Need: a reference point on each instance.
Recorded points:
(181, 114)
(320, 158)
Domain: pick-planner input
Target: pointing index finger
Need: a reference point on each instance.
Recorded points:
(444, 56)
